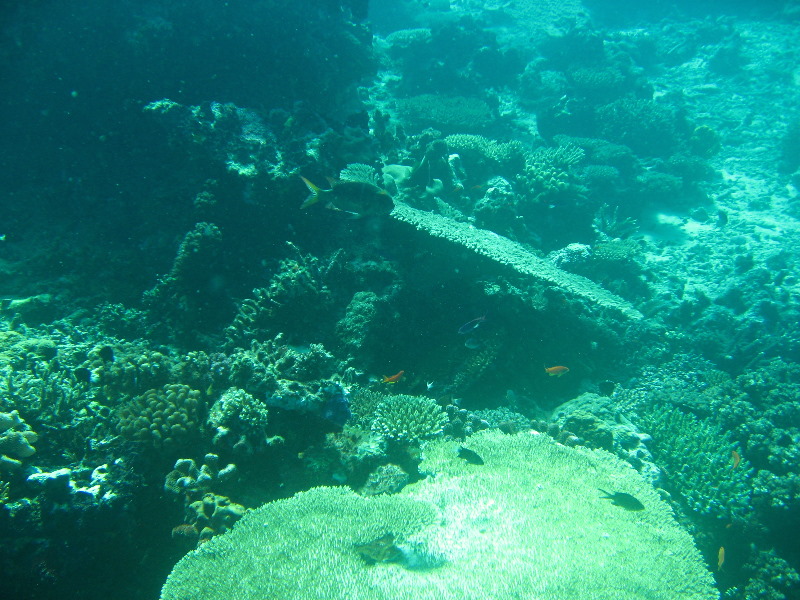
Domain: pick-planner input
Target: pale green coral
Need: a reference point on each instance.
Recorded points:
(509, 253)
(548, 174)
(697, 456)
(408, 419)
(529, 523)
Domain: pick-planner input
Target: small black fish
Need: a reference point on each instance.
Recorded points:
(106, 353)
(624, 500)
(470, 456)
(83, 375)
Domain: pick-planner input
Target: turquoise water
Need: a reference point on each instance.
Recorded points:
(253, 249)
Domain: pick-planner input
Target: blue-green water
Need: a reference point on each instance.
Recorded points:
(250, 249)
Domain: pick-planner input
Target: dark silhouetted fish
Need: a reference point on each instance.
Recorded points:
(470, 456)
(624, 500)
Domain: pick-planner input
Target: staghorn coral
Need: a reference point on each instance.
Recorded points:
(163, 419)
(408, 419)
(448, 530)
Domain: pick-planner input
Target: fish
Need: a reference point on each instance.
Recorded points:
(720, 558)
(106, 353)
(471, 326)
(379, 550)
(623, 500)
(358, 198)
(337, 406)
(736, 458)
(392, 378)
(556, 371)
(472, 343)
(470, 456)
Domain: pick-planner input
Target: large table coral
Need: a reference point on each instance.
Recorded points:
(530, 522)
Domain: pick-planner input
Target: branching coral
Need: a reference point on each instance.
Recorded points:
(408, 419)
(697, 456)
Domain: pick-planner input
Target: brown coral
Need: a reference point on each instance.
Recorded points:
(165, 418)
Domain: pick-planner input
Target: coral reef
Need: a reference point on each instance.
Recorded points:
(506, 252)
(16, 441)
(447, 531)
(450, 114)
(240, 421)
(187, 479)
(696, 454)
(165, 419)
(408, 419)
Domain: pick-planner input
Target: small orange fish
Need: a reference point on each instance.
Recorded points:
(556, 371)
(392, 378)
(720, 558)
(736, 459)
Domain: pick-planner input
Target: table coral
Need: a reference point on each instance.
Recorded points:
(529, 522)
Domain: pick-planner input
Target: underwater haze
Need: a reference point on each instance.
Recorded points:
(400, 299)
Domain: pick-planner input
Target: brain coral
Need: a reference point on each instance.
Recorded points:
(529, 523)
(166, 418)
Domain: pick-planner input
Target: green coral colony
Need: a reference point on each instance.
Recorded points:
(534, 338)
